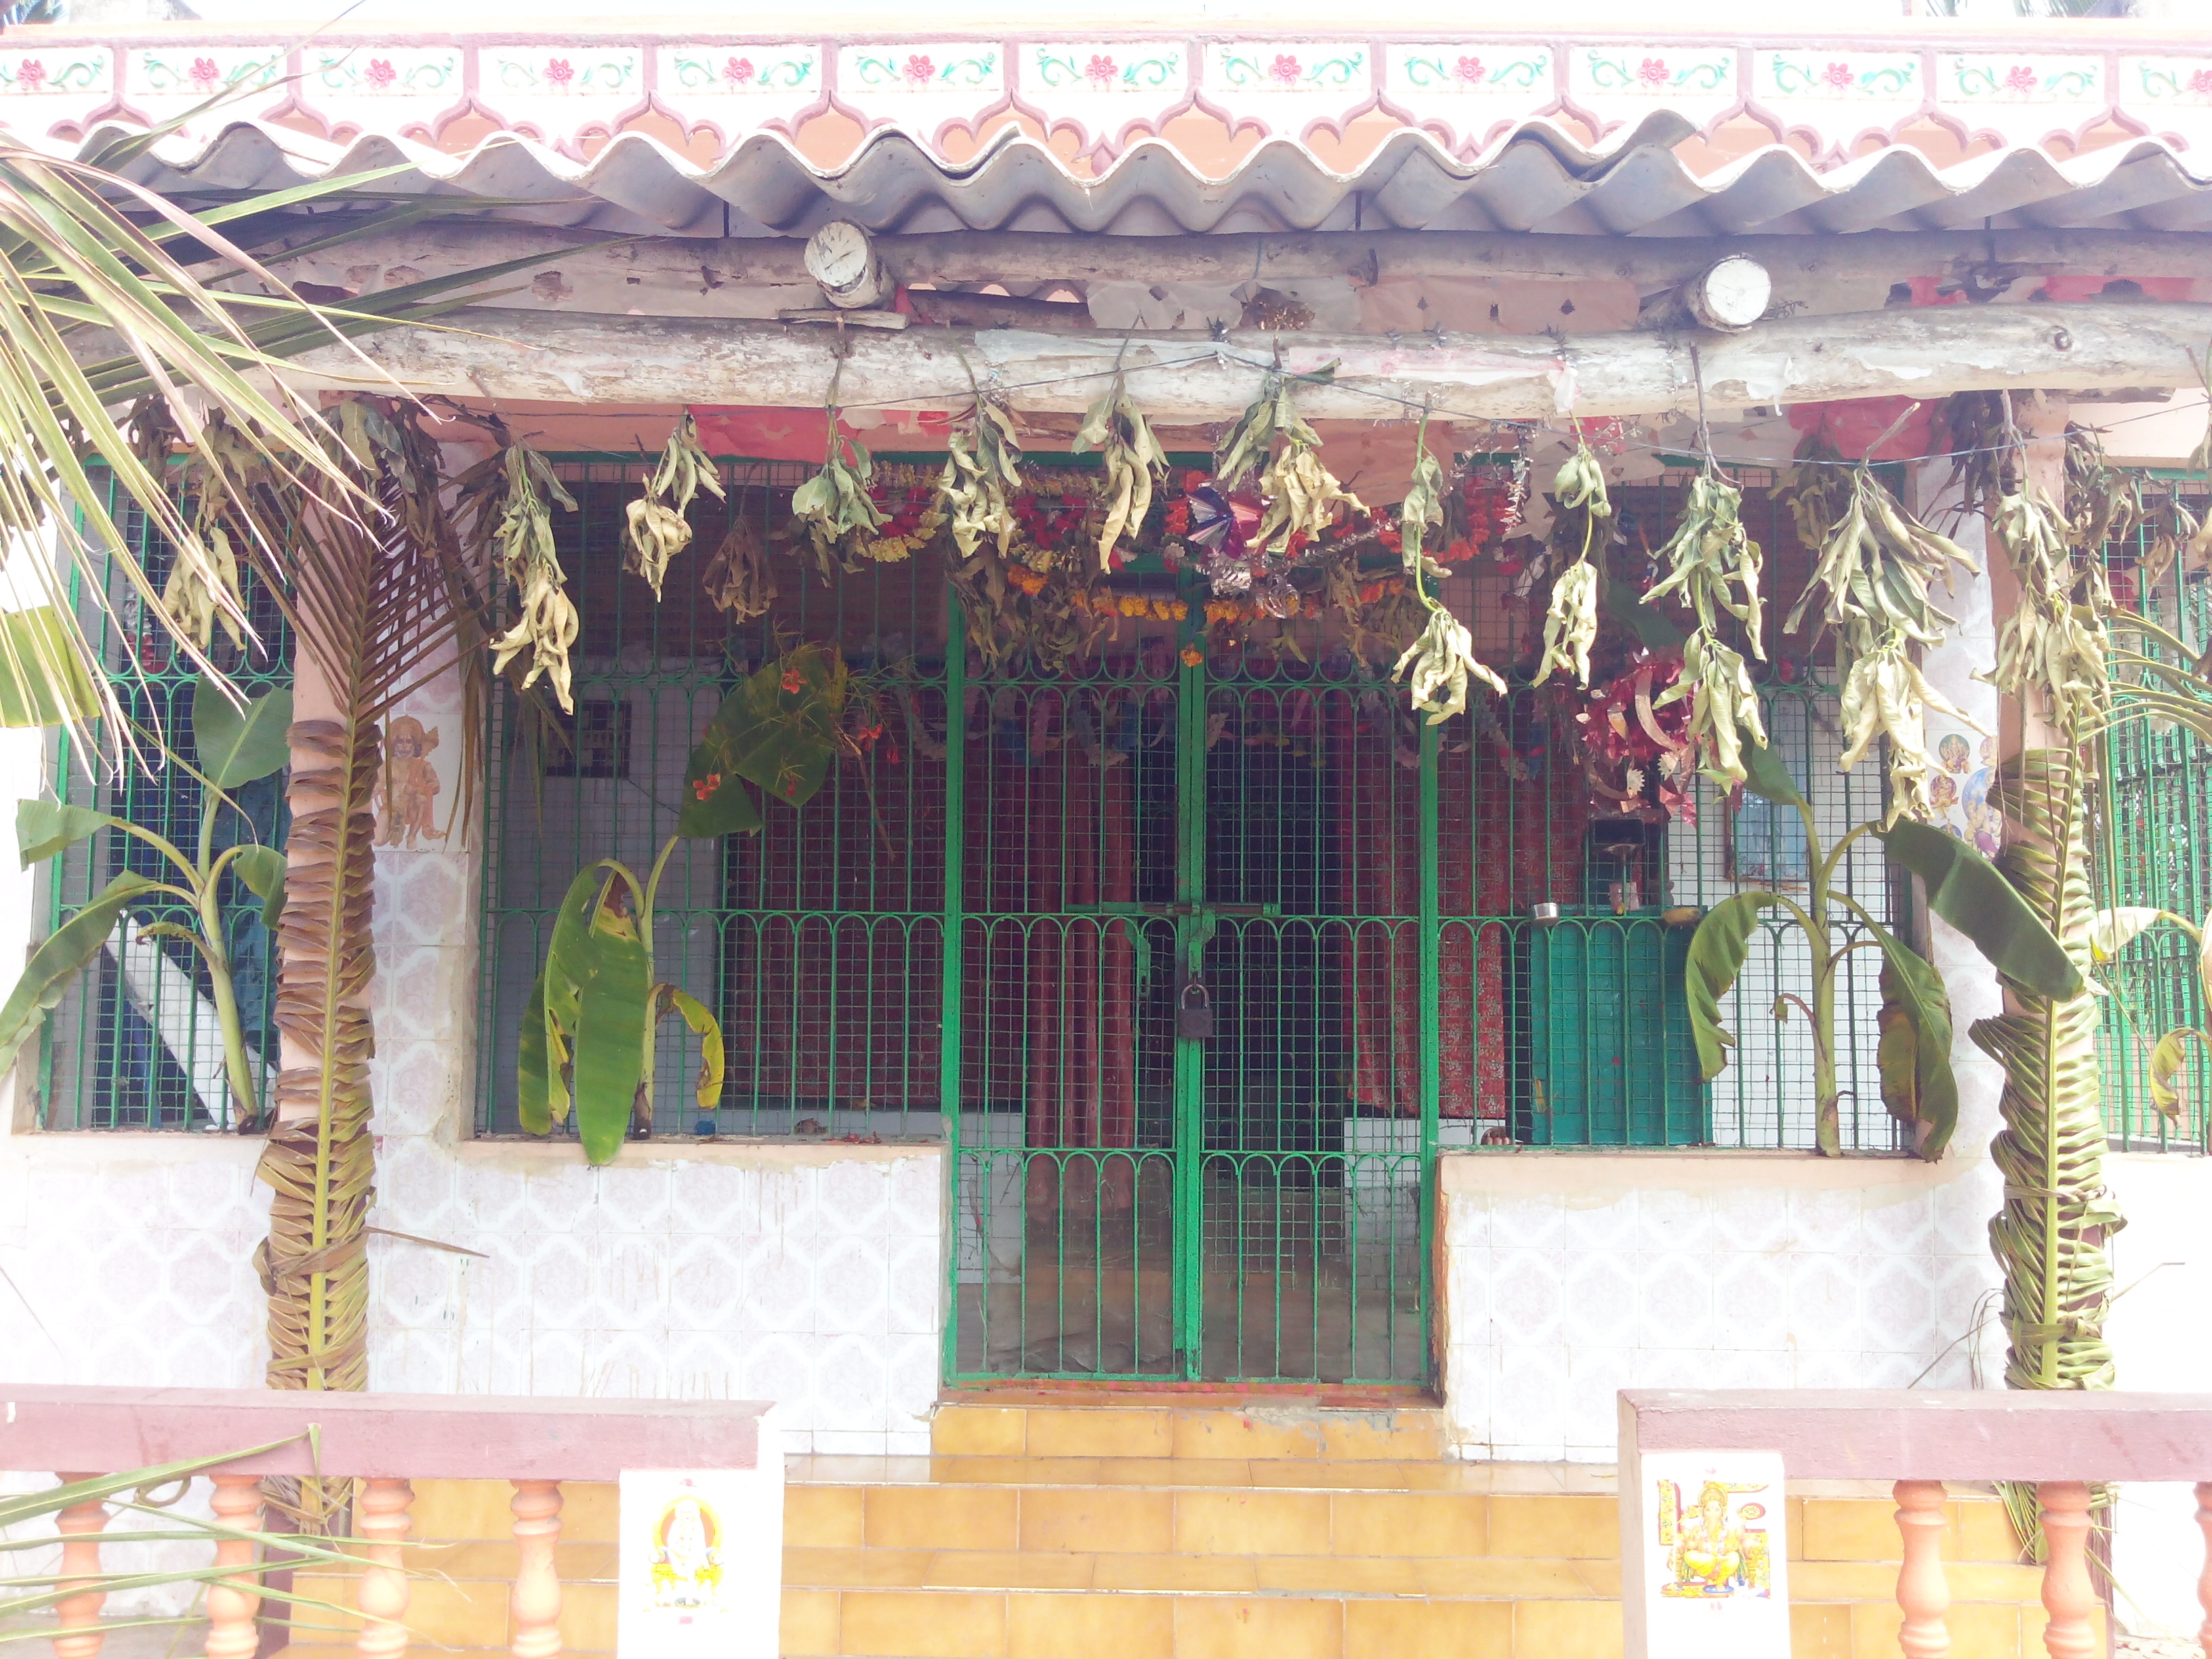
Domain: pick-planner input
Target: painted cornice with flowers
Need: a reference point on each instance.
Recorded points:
(706, 93)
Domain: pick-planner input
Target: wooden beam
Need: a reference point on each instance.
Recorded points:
(1025, 260)
(1926, 352)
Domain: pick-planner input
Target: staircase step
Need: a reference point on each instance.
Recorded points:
(1379, 1475)
(1461, 1577)
(1008, 1425)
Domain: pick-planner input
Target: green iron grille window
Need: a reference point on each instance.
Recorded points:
(819, 941)
(135, 1044)
(822, 942)
(2153, 845)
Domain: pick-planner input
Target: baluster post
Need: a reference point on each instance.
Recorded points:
(381, 1516)
(1922, 1590)
(232, 1602)
(80, 1526)
(2067, 1594)
(534, 1608)
(2204, 1579)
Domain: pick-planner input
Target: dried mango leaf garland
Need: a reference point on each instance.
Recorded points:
(739, 580)
(1132, 457)
(982, 475)
(658, 528)
(1571, 621)
(1875, 565)
(1300, 496)
(513, 523)
(1714, 568)
(835, 502)
(1441, 660)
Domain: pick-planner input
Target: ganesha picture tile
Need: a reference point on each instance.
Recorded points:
(1711, 1557)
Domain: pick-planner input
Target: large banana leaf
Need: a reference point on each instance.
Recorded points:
(1972, 894)
(263, 869)
(707, 1028)
(533, 1070)
(599, 1005)
(1717, 951)
(1914, 1052)
(43, 680)
(43, 827)
(1765, 775)
(236, 745)
(60, 958)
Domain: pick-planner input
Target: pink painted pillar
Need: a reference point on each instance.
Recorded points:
(232, 1602)
(534, 1607)
(2204, 1579)
(1922, 1590)
(2068, 1595)
(381, 1516)
(80, 1526)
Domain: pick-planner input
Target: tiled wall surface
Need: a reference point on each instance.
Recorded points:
(1573, 1275)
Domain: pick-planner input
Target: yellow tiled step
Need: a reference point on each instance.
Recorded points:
(1002, 1427)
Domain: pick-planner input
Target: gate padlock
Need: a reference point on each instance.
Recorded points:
(1193, 1018)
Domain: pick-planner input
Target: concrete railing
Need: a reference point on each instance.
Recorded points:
(384, 1442)
(2063, 1443)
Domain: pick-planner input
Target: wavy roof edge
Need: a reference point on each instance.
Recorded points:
(1537, 176)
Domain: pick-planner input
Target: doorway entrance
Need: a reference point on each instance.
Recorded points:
(1193, 1141)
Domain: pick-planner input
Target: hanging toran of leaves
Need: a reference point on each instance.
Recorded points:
(1570, 619)
(1714, 567)
(835, 502)
(1875, 567)
(1298, 495)
(512, 523)
(1441, 661)
(1133, 459)
(738, 580)
(982, 474)
(658, 529)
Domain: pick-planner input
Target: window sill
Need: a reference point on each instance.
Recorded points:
(735, 1151)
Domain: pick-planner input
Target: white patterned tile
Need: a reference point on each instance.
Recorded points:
(1674, 1301)
(917, 1196)
(1526, 1223)
(625, 1366)
(1751, 1302)
(1670, 1220)
(714, 1197)
(1826, 1221)
(849, 1443)
(706, 1364)
(1595, 1377)
(855, 1198)
(561, 1285)
(849, 1379)
(914, 1290)
(1960, 1287)
(778, 1287)
(560, 1198)
(557, 1364)
(630, 1283)
(1524, 1298)
(1751, 1219)
(705, 1281)
(1598, 1303)
(780, 1368)
(1899, 1304)
(633, 1198)
(1826, 1370)
(1903, 1224)
(1529, 1402)
(1882, 1369)
(1824, 1302)
(414, 1186)
(1607, 1227)
(850, 1281)
(790, 1203)
(1963, 1209)
(910, 1372)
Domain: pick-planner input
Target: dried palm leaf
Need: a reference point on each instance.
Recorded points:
(1133, 460)
(739, 581)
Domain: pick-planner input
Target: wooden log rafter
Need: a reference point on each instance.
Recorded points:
(1922, 352)
(1025, 260)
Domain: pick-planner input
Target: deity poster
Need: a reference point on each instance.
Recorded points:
(1715, 1556)
(701, 1561)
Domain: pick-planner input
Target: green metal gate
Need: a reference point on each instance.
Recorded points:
(1164, 930)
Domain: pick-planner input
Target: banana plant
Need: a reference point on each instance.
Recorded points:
(1914, 1051)
(588, 1029)
(235, 746)
(2113, 930)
